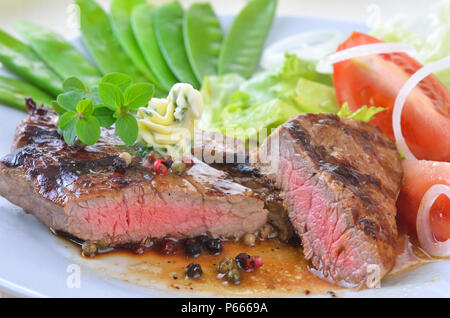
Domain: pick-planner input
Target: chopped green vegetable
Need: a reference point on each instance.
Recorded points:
(21, 60)
(202, 38)
(13, 93)
(364, 113)
(59, 54)
(168, 26)
(244, 42)
(121, 22)
(102, 43)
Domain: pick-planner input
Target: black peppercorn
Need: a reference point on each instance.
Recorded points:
(202, 239)
(194, 270)
(192, 248)
(214, 246)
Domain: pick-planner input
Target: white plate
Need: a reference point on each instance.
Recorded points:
(34, 263)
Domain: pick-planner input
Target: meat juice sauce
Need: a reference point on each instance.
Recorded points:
(285, 271)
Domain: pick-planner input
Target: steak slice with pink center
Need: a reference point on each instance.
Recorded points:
(340, 179)
(79, 191)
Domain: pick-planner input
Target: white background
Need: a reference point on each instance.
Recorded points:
(55, 13)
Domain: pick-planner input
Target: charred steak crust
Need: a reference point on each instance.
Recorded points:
(340, 179)
(81, 191)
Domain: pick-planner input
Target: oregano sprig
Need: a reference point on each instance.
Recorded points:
(82, 111)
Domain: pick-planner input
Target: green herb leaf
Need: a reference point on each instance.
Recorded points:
(65, 119)
(127, 129)
(66, 124)
(85, 107)
(58, 109)
(88, 130)
(122, 81)
(70, 100)
(73, 83)
(110, 95)
(138, 95)
(69, 134)
(104, 116)
(94, 96)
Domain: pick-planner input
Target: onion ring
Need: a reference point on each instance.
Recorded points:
(415, 79)
(424, 233)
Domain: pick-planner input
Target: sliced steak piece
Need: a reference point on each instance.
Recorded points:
(340, 179)
(231, 155)
(88, 194)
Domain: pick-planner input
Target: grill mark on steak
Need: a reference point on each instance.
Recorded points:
(341, 170)
(340, 179)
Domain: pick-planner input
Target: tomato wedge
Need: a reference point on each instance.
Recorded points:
(419, 176)
(375, 80)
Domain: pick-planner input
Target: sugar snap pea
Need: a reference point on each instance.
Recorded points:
(168, 24)
(142, 23)
(21, 60)
(59, 54)
(121, 23)
(102, 43)
(202, 38)
(245, 40)
(14, 91)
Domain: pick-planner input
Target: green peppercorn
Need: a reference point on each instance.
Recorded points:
(234, 277)
(89, 248)
(178, 167)
(226, 264)
(102, 245)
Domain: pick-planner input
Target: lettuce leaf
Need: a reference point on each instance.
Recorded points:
(312, 97)
(245, 122)
(429, 34)
(364, 113)
(295, 67)
(268, 99)
(216, 92)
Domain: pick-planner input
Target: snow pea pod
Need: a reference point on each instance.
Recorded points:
(245, 40)
(101, 42)
(121, 22)
(59, 54)
(21, 60)
(168, 24)
(142, 23)
(202, 38)
(14, 91)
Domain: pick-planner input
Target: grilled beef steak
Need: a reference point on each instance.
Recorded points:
(87, 193)
(231, 155)
(340, 179)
